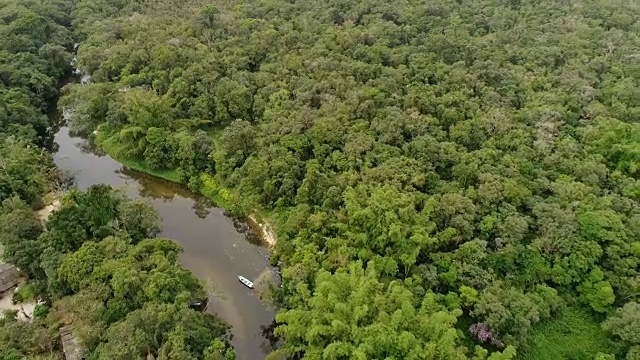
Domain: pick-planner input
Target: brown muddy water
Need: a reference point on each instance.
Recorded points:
(214, 250)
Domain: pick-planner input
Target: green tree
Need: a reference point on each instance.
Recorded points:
(596, 292)
(19, 231)
(353, 314)
(511, 313)
(167, 330)
(624, 325)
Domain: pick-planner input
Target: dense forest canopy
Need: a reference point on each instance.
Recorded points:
(444, 175)
(99, 268)
(34, 54)
(95, 263)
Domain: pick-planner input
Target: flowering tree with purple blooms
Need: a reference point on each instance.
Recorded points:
(482, 332)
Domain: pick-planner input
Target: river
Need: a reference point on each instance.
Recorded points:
(213, 249)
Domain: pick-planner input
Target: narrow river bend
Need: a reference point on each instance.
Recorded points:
(213, 249)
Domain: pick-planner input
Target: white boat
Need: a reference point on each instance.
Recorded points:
(245, 281)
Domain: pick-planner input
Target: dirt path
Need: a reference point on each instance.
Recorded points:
(25, 310)
(43, 214)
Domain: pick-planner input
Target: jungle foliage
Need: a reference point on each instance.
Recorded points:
(98, 266)
(445, 175)
(34, 55)
(96, 263)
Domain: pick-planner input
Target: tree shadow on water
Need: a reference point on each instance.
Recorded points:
(202, 207)
(267, 332)
(160, 189)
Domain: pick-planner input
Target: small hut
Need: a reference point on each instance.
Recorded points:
(9, 277)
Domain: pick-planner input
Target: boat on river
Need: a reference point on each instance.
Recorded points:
(245, 281)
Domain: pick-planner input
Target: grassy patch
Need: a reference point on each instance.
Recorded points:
(228, 198)
(213, 190)
(113, 148)
(575, 334)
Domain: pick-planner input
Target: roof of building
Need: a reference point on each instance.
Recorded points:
(9, 277)
(73, 349)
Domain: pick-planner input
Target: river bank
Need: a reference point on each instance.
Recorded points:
(25, 309)
(214, 250)
(222, 196)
